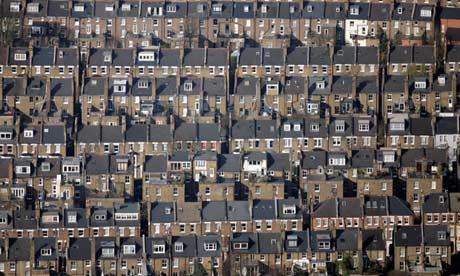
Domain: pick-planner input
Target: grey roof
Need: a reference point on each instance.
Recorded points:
(133, 11)
(186, 132)
(347, 122)
(156, 163)
(53, 134)
(344, 55)
(198, 9)
(170, 57)
(250, 238)
(408, 236)
(180, 156)
(217, 57)
(380, 12)
(151, 242)
(269, 243)
(297, 56)
(271, 10)
(14, 86)
(278, 161)
(335, 11)
(266, 129)
(238, 211)
(194, 57)
(288, 202)
(197, 85)
(94, 86)
(36, 87)
(421, 126)
(398, 207)
(363, 158)
(302, 239)
(137, 133)
(58, 8)
(346, 207)
(123, 57)
(189, 246)
(239, 10)
(373, 240)
(206, 239)
(160, 133)
(347, 240)
(367, 55)
(367, 84)
(16, 250)
(61, 87)
(97, 57)
(316, 85)
(436, 203)
(67, 56)
(112, 134)
(442, 83)
(162, 212)
(138, 250)
(97, 164)
(221, 9)
(454, 202)
(206, 155)
(395, 84)
(314, 10)
(449, 13)
(88, 9)
(320, 56)
(43, 56)
(402, 12)
(166, 86)
(246, 86)
(293, 123)
(250, 56)
(80, 213)
(321, 126)
(208, 132)
(453, 54)
(180, 12)
(294, 85)
(289, 10)
(369, 120)
(25, 219)
(101, 213)
(147, 7)
(363, 11)
(432, 237)
(104, 9)
(188, 211)
(313, 159)
(446, 125)
(12, 52)
(264, 209)
(142, 86)
(53, 170)
(229, 162)
(418, 12)
(424, 54)
(106, 242)
(214, 211)
(214, 86)
(401, 54)
(79, 249)
(42, 8)
(342, 84)
(89, 134)
(317, 236)
(45, 243)
(243, 129)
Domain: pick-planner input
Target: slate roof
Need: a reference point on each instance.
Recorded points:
(264, 209)
(79, 249)
(16, 250)
(446, 125)
(189, 246)
(346, 207)
(313, 10)
(229, 163)
(408, 236)
(61, 87)
(269, 243)
(156, 163)
(347, 240)
(380, 12)
(205, 239)
(373, 240)
(45, 243)
(214, 211)
(436, 203)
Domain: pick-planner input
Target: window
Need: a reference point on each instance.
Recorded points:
(240, 245)
(158, 248)
(129, 249)
(210, 246)
(179, 247)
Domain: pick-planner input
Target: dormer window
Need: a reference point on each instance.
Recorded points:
(126, 7)
(292, 240)
(129, 249)
(289, 210)
(20, 56)
(287, 127)
(33, 7)
(388, 157)
(217, 8)
(108, 252)
(314, 127)
(264, 8)
(400, 10)
(246, 8)
(79, 7)
(324, 245)
(109, 8)
(46, 167)
(292, 9)
(296, 127)
(122, 165)
(99, 217)
(72, 217)
(340, 126)
(272, 87)
(210, 246)
(107, 57)
(441, 199)
(397, 126)
(15, 6)
(29, 133)
(188, 86)
(354, 10)
(23, 169)
(119, 86)
(158, 249)
(363, 125)
(143, 84)
(320, 84)
(441, 235)
(179, 246)
(420, 84)
(171, 8)
(146, 56)
(309, 8)
(167, 210)
(425, 12)
(338, 9)
(46, 251)
(6, 135)
(240, 245)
